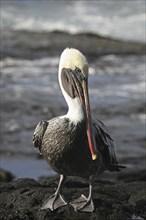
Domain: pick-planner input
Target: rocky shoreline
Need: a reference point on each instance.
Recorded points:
(32, 45)
(114, 199)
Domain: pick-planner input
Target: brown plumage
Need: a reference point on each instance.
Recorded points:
(74, 144)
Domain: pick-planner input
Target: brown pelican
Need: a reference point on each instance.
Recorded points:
(75, 144)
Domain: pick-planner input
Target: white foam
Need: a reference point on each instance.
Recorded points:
(124, 20)
(123, 79)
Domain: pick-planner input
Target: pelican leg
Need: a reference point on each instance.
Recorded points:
(84, 204)
(56, 200)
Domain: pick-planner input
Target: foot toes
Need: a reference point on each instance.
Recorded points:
(54, 202)
(82, 204)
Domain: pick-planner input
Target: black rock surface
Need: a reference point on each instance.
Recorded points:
(22, 198)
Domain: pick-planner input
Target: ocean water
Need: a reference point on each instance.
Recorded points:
(31, 92)
(29, 85)
(119, 19)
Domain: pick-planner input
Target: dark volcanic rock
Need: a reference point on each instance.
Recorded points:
(22, 198)
(33, 45)
(6, 176)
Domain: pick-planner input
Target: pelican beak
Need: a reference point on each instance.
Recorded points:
(76, 85)
(90, 135)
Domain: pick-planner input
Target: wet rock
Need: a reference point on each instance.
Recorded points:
(135, 175)
(22, 198)
(35, 45)
(6, 176)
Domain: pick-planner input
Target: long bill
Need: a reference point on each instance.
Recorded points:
(90, 136)
(80, 86)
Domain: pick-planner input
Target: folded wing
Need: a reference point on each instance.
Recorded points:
(39, 133)
(105, 145)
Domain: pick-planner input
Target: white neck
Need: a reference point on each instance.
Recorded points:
(75, 110)
(72, 58)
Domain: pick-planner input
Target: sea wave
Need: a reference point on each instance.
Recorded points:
(30, 92)
(122, 20)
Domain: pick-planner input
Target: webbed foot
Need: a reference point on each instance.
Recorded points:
(83, 204)
(54, 202)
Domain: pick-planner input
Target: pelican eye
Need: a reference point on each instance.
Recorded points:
(78, 70)
(79, 73)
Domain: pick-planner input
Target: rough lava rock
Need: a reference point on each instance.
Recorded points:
(6, 176)
(22, 198)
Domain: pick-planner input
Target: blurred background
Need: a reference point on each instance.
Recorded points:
(111, 34)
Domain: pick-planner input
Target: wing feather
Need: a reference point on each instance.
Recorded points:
(105, 145)
(39, 133)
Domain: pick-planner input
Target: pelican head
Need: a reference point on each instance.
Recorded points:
(73, 80)
(73, 58)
